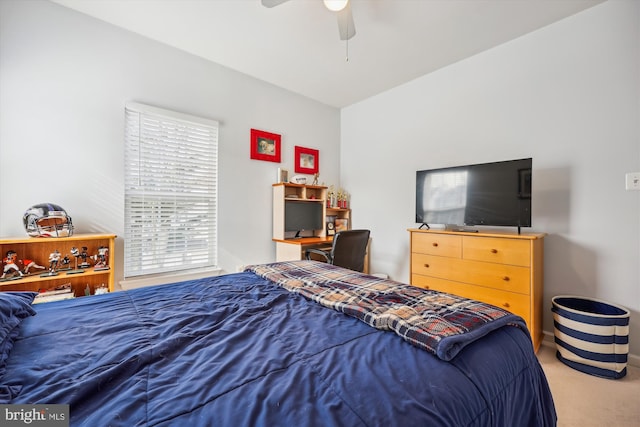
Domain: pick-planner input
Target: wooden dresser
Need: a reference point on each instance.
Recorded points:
(502, 269)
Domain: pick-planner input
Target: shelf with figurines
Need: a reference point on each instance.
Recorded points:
(53, 256)
(91, 266)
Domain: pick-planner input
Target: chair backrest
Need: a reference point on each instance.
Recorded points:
(349, 249)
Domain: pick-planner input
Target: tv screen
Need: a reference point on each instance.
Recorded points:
(302, 216)
(492, 194)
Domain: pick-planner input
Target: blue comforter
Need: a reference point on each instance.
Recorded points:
(237, 350)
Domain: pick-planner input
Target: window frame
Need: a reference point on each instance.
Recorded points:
(171, 192)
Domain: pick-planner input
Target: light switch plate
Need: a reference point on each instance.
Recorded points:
(632, 181)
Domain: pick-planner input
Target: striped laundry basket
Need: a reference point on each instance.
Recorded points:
(591, 336)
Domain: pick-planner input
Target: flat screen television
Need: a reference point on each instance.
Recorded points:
(302, 216)
(489, 194)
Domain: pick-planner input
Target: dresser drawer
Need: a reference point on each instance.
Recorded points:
(436, 244)
(503, 251)
(515, 303)
(498, 276)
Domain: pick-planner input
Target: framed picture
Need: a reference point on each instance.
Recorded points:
(283, 175)
(265, 146)
(307, 160)
(342, 224)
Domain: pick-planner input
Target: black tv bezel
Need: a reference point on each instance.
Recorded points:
(523, 194)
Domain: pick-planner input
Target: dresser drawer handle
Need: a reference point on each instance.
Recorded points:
(494, 251)
(506, 278)
(426, 265)
(506, 305)
(435, 244)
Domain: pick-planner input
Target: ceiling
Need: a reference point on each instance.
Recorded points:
(296, 45)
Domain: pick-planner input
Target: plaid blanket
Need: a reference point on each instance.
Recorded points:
(440, 323)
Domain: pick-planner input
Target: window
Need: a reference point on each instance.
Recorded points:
(171, 169)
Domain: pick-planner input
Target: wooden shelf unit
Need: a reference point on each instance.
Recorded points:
(38, 250)
(288, 248)
(502, 269)
(284, 192)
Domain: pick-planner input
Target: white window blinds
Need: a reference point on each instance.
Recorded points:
(171, 169)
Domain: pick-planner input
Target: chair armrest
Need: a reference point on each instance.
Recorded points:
(320, 252)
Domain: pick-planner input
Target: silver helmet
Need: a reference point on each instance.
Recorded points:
(47, 220)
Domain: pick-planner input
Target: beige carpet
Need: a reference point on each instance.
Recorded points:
(585, 400)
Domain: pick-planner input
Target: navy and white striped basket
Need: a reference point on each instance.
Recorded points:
(591, 336)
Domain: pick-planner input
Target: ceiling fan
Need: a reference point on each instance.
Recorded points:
(342, 8)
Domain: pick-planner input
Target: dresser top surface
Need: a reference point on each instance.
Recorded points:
(487, 233)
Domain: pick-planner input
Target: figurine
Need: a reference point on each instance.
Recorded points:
(28, 264)
(65, 263)
(10, 265)
(54, 259)
(101, 258)
(84, 255)
(76, 253)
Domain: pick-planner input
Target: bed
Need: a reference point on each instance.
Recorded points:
(285, 344)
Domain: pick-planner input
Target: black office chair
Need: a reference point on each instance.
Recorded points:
(348, 249)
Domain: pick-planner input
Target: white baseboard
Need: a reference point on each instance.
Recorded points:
(548, 340)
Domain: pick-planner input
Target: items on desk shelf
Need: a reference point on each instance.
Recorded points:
(331, 225)
(283, 175)
(343, 198)
(342, 224)
(337, 198)
(298, 179)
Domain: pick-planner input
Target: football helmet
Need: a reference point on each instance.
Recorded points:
(47, 220)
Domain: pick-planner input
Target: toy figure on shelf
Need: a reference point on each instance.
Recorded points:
(54, 260)
(65, 263)
(10, 265)
(101, 259)
(76, 253)
(84, 255)
(29, 264)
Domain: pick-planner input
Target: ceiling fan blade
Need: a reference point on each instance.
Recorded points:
(346, 27)
(272, 3)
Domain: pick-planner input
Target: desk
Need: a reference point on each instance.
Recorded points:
(294, 249)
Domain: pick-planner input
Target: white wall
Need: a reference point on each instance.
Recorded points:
(64, 81)
(567, 95)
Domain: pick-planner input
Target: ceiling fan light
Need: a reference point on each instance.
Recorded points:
(335, 5)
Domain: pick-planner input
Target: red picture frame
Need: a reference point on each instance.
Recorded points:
(307, 160)
(265, 146)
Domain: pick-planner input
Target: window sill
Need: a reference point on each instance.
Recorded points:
(163, 279)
